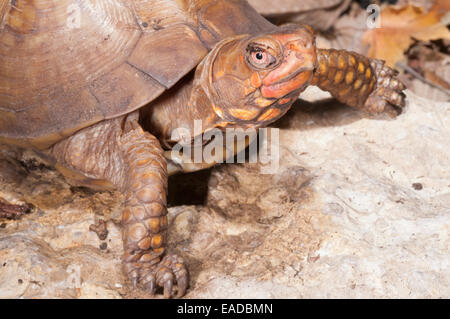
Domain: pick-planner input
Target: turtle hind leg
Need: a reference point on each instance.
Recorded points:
(11, 211)
(144, 219)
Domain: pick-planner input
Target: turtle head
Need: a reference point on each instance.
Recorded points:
(253, 80)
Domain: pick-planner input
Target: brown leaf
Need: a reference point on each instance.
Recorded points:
(398, 28)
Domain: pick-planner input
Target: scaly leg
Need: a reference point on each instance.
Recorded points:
(144, 219)
(120, 152)
(359, 81)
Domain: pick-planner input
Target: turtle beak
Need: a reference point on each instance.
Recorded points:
(296, 70)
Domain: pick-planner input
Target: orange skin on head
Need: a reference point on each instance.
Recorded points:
(300, 55)
(251, 91)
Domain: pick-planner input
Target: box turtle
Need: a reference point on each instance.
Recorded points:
(96, 87)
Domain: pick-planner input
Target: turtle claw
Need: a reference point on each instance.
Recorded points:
(171, 269)
(388, 96)
(168, 286)
(151, 288)
(149, 281)
(165, 274)
(134, 276)
(182, 282)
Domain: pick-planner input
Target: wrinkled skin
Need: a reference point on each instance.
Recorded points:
(244, 81)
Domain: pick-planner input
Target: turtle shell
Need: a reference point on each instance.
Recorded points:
(67, 64)
(270, 7)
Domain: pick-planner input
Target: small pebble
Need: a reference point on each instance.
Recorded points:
(103, 246)
(417, 186)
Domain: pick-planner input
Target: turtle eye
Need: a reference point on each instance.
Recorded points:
(261, 59)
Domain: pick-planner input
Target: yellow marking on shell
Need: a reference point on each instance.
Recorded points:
(244, 114)
(349, 77)
(368, 73)
(361, 67)
(262, 102)
(269, 114)
(357, 84)
(338, 77)
(342, 63)
(352, 60)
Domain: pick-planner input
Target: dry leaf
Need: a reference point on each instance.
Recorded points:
(398, 28)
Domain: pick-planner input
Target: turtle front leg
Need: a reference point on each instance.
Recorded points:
(359, 81)
(119, 152)
(144, 219)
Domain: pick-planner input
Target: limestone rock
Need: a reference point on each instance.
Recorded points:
(359, 208)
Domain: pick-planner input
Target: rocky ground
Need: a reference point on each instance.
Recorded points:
(359, 208)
